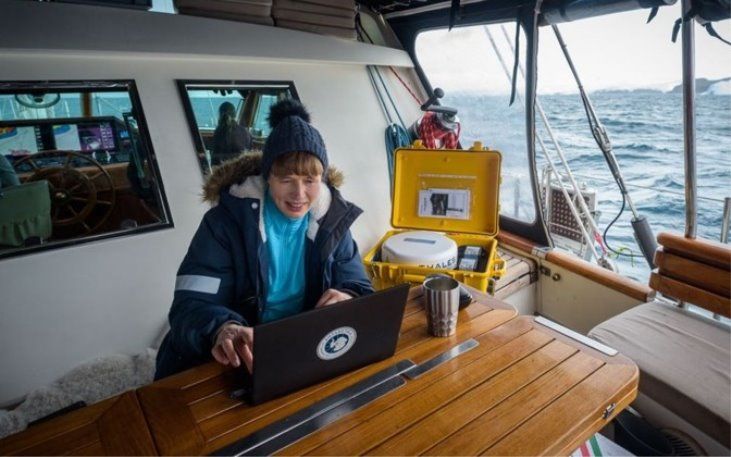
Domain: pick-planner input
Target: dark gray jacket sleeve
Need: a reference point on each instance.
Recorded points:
(348, 272)
(204, 291)
(8, 176)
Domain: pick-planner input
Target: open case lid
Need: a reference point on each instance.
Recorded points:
(447, 190)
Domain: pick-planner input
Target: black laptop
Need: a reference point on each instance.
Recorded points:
(309, 347)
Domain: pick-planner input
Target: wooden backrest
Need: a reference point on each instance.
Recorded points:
(694, 270)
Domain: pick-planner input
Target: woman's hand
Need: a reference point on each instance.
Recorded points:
(331, 296)
(234, 343)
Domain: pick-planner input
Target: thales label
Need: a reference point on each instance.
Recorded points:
(447, 265)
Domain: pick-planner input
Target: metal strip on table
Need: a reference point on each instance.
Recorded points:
(603, 348)
(328, 417)
(273, 431)
(441, 358)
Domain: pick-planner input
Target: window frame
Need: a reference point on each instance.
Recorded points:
(210, 84)
(536, 230)
(106, 85)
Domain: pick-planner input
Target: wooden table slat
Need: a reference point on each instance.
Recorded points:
(211, 407)
(71, 439)
(497, 422)
(414, 305)
(94, 448)
(564, 424)
(417, 332)
(171, 422)
(449, 417)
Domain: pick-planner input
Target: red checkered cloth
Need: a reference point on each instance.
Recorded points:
(431, 131)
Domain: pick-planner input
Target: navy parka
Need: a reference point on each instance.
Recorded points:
(223, 276)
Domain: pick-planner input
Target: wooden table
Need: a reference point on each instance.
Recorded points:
(114, 426)
(525, 389)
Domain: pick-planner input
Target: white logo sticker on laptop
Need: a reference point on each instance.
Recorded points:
(336, 343)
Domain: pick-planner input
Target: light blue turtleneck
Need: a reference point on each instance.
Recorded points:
(285, 245)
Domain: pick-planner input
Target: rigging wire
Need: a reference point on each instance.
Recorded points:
(640, 225)
(396, 135)
(631, 254)
(582, 204)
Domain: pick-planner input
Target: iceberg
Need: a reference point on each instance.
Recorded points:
(720, 88)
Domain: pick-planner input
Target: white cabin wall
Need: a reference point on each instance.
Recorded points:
(577, 302)
(61, 307)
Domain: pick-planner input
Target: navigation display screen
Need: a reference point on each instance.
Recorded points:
(84, 137)
(95, 137)
(19, 141)
(66, 137)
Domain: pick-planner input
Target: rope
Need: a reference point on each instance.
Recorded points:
(396, 137)
(418, 102)
(381, 102)
(390, 99)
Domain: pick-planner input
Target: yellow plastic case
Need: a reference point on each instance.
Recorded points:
(473, 177)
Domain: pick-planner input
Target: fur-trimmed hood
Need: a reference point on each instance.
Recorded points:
(236, 170)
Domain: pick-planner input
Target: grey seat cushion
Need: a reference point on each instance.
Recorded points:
(684, 361)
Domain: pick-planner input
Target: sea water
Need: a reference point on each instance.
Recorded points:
(645, 128)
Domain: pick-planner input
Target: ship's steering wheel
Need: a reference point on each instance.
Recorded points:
(74, 193)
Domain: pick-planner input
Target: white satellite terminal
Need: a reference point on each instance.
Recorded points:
(421, 248)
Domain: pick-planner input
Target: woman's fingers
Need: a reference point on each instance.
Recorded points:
(248, 359)
(234, 344)
(219, 355)
(243, 349)
(322, 299)
(327, 298)
(248, 334)
(331, 296)
(228, 349)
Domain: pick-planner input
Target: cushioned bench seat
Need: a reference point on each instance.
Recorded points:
(684, 361)
(521, 272)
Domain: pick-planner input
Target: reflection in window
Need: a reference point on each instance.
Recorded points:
(75, 163)
(228, 119)
(464, 63)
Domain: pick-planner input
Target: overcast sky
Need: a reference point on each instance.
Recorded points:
(614, 51)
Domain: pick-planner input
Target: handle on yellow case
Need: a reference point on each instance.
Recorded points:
(414, 279)
(498, 266)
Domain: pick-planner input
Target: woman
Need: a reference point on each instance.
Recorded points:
(229, 138)
(276, 243)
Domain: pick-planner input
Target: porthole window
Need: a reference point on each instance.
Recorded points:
(230, 118)
(76, 164)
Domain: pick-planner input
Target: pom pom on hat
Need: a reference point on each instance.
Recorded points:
(285, 108)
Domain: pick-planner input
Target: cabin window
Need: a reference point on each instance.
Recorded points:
(76, 164)
(465, 64)
(230, 118)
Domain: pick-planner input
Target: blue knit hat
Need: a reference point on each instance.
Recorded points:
(291, 132)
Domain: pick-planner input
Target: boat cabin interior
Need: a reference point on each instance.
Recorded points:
(112, 117)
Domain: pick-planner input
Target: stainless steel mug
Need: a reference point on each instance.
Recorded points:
(441, 295)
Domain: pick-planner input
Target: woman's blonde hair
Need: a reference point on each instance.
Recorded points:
(297, 163)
